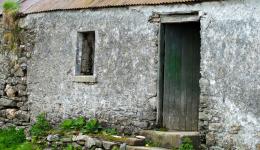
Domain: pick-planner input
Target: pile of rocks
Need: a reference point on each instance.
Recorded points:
(88, 142)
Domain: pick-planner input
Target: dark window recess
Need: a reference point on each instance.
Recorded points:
(87, 53)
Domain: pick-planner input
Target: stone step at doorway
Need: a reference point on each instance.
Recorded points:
(171, 139)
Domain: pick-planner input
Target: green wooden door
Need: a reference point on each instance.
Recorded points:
(181, 76)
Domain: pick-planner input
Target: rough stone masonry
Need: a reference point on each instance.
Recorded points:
(126, 67)
(14, 106)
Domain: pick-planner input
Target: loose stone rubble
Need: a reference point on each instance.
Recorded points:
(89, 142)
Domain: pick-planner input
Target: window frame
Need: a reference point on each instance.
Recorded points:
(78, 77)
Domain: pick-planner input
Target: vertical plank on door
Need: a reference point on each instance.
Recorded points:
(172, 68)
(161, 74)
(195, 76)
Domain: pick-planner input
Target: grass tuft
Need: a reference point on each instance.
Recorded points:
(41, 126)
(10, 5)
(11, 138)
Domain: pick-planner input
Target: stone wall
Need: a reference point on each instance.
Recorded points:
(126, 65)
(125, 93)
(14, 105)
(230, 107)
(230, 83)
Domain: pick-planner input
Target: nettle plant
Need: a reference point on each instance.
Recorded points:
(11, 35)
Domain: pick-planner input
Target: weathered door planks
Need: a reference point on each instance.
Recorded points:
(181, 74)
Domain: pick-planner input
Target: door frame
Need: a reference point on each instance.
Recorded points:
(162, 19)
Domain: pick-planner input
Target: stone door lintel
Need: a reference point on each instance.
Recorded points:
(176, 16)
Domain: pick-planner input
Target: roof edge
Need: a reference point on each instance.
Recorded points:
(117, 6)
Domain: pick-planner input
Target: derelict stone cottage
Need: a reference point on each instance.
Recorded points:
(185, 65)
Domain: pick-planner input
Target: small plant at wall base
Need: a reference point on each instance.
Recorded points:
(41, 126)
(77, 123)
(186, 144)
(70, 147)
(67, 124)
(11, 35)
(111, 131)
(92, 126)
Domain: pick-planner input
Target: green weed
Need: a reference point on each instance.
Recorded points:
(77, 123)
(92, 126)
(12, 31)
(115, 148)
(186, 144)
(70, 147)
(41, 126)
(111, 131)
(10, 138)
(66, 124)
(28, 146)
(10, 5)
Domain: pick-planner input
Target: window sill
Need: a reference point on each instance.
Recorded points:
(85, 79)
